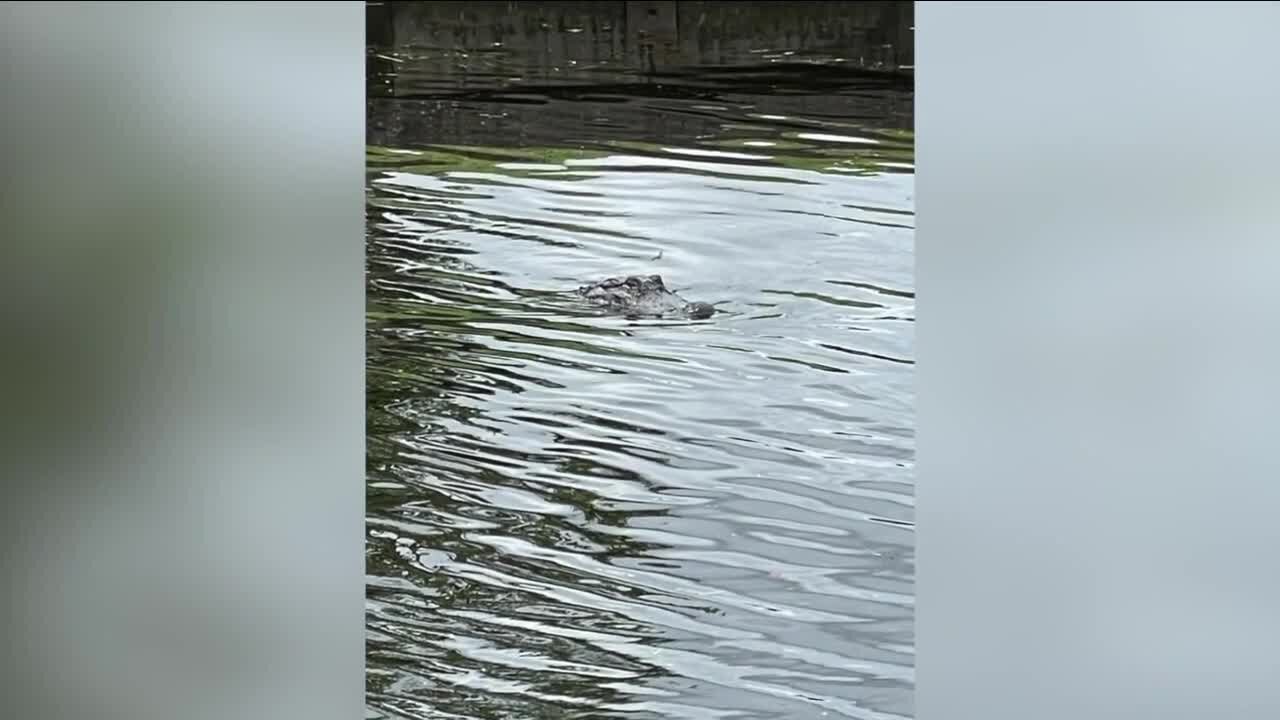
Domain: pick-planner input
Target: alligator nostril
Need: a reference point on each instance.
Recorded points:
(701, 310)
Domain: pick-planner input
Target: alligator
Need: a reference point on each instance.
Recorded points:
(643, 295)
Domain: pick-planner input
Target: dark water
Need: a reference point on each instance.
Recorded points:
(575, 516)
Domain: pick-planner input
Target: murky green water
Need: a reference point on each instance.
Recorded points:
(572, 515)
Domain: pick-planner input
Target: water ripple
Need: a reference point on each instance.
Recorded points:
(578, 515)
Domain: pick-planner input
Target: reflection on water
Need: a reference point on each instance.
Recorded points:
(573, 515)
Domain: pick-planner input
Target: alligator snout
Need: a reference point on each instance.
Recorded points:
(700, 310)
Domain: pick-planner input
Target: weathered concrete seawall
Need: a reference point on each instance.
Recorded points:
(653, 36)
(493, 73)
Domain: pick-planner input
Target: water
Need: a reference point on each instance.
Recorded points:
(576, 516)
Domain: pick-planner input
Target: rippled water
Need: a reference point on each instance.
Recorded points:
(575, 515)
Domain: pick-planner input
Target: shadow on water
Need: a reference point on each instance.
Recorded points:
(573, 515)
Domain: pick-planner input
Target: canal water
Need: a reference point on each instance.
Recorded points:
(573, 515)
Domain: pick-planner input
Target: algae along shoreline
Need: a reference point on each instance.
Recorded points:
(861, 153)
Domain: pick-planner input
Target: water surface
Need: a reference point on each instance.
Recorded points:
(572, 515)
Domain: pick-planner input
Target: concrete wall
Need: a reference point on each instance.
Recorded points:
(654, 36)
(490, 73)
